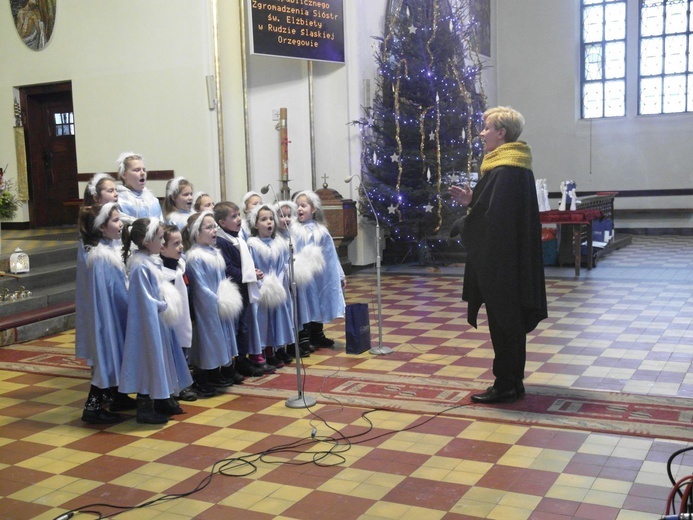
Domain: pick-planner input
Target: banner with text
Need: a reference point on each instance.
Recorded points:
(304, 29)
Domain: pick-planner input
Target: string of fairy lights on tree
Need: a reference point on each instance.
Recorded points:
(421, 134)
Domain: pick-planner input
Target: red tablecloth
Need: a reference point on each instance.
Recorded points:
(566, 217)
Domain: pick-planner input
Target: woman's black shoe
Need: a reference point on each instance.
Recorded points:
(495, 396)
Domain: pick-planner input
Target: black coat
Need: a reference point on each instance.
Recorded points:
(502, 236)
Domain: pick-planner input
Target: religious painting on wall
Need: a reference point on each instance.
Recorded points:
(480, 12)
(34, 20)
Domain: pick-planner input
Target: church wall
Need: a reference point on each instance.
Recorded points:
(538, 70)
(138, 77)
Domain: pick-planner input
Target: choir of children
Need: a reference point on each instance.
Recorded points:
(178, 309)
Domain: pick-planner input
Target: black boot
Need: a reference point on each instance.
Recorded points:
(146, 414)
(167, 406)
(304, 346)
(317, 336)
(246, 368)
(282, 354)
(201, 384)
(230, 373)
(120, 402)
(94, 411)
(217, 379)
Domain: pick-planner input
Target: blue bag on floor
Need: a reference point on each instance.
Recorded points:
(358, 328)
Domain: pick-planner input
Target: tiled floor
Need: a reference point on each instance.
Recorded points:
(624, 326)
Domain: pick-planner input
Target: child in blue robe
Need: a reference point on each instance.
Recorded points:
(154, 365)
(275, 309)
(103, 309)
(178, 203)
(241, 269)
(134, 198)
(321, 300)
(250, 200)
(100, 190)
(216, 303)
(174, 272)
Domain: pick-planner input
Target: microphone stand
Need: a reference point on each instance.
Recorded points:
(300, 400)
(379, 350)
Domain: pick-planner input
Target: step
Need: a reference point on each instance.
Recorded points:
(36, 324)
(41, 277)
(40, 299)
(63, 253)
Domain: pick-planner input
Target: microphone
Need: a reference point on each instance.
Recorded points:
(265, 189)
(350, 178)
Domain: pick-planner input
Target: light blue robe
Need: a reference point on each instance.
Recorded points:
(103, 311)
(153, 361)
(276, 322)
(178, 218)
(183, 327)
(138, 204)
(82, 305)
(321, 300)
(214, 337)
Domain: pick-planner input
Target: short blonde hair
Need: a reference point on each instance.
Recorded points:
(508, 118)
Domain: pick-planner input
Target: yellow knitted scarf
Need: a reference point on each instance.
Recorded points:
(517, 153)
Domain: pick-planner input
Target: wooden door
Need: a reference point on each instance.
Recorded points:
(51, 154)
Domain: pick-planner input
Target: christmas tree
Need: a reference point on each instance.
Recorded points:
(421, 134)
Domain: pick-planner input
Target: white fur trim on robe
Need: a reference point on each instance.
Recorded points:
(174, 302)
(307, 263)
(230, 299)
(106, 252)
(272, 292)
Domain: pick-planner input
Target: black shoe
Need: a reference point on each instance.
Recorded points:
(100, 416)
(317, 336)
(321, 341)
(231, 374)
(304, 341)
(167, 406)
(275, 362)
(146, 414)
(291, 351)
(495, 396)
(187, 394)
(266, 369)
(218, 380)
(204, 390)
(520, 390)
(304, 351)
(246, 368)
(122, 402)
(284, 356)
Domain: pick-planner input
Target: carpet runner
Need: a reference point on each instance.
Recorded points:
(606, 412)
